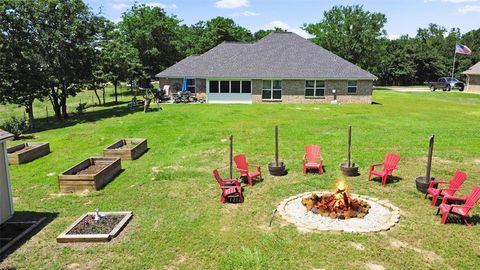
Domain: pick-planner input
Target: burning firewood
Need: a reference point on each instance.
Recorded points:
(337, 205)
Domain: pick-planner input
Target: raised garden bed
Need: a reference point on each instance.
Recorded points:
(126, 149)
(86, 229)
(27, 152)
(90, 174)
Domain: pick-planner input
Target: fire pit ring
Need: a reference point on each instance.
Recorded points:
(382, 216)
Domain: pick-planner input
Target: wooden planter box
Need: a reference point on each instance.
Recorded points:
(27, 152)
(126, 149)
(91, 174)
(66, 236)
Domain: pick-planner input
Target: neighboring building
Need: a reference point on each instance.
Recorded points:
(6, 202)
(473, 78)
(281, 67)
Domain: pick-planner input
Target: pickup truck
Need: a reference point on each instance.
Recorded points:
(446, 84)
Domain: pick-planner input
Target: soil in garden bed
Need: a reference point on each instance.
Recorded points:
(89, 226)
(128, 145)
(92, 169)
(24, 149)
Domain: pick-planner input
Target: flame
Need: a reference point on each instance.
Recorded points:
(342, 184)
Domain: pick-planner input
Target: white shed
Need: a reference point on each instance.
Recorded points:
(6, 202)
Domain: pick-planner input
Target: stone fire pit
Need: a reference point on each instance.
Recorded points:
(381, 216)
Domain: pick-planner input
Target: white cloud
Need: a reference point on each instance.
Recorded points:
(161, 5)
(232, 3)
(286, 26)
(249, 14)
(469, 9)
(120, 6)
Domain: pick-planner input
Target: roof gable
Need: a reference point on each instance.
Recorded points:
(474, 70)
(278, 55)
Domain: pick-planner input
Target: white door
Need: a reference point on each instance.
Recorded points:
(229, 91)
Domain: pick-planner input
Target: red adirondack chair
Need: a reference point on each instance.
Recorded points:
(461, 210)
(453, 186)
(230, 187)
(389, 164)
(242, 167)
(312, 159)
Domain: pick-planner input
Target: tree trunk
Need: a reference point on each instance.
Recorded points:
(31, 118)
(96, 94)
(63, 101)
(55, 104)
(115, 87)
(103, 89)
(63, 104)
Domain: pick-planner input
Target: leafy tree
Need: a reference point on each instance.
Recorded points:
(67, 32)
(351, 33)
(21, 64)
(154, 34)
(203, 36)
(397, 66)
(263, 33)
(119, 62)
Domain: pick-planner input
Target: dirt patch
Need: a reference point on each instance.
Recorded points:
(156, 169)
(89, 226)
(92, 169)
(476, 162)
(427, 255)
(374, 266)
(357, 246)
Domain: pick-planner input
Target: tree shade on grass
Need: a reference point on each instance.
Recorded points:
(178, 221)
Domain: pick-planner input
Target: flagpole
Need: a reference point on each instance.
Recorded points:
(454, 59)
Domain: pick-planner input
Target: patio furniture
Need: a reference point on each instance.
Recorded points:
(460, 210)
(389, 165)
(230, 187)
(453, 186)
(312, 159)
(242, 167)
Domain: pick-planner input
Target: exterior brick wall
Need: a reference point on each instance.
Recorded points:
(293, 91)
(474, 84)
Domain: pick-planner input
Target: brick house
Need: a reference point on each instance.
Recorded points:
(473, 78)
(281, 67)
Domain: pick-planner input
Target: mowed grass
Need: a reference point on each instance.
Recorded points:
(179, 223)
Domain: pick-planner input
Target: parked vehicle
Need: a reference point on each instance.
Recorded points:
(446, 84)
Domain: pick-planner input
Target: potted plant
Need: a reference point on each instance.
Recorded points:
(348, 168)
(276, 168)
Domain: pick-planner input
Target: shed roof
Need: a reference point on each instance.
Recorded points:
(278, 55)
(5, 136)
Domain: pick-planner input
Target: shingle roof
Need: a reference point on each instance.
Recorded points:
(278, 55)
(5, 136)
(474, 70)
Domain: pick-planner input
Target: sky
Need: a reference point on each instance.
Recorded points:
(404, 16)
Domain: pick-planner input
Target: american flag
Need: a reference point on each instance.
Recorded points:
(462, 49)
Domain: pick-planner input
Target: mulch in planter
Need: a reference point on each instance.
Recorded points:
(89, 226)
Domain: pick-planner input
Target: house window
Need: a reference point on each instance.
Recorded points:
(352, 87)
(227, 87)
(235, 87)
(314, 88)
(246, 87)
(224, 86)
(214, 87)
(191, 85)
(272, 89)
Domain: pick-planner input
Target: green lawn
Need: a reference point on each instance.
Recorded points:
(179, 223)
